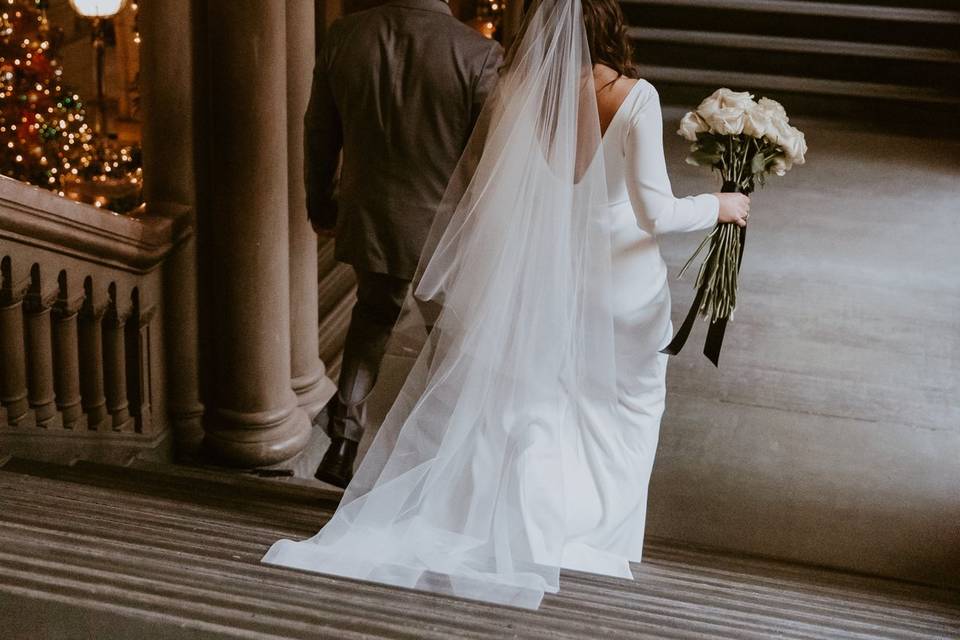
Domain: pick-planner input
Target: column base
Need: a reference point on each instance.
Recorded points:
(187, 426)
(46, 413)
(71, 414)
(259, 439)
(17, 408)
(313, 392)
(97, 417)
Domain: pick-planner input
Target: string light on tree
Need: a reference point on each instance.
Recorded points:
(45, 139)
(135, 7)
(489, 17)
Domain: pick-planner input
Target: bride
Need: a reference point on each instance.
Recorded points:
(524, 437)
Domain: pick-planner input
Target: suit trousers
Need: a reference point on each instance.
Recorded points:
(380, 299)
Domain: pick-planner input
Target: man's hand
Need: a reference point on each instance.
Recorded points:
(323, 232)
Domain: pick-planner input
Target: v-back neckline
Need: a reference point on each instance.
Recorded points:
(616, 114)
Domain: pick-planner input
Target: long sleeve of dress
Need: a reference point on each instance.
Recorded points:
(651, 195)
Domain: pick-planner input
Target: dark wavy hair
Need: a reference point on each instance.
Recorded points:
(607, 35)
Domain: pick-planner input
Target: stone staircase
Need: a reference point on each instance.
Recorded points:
(94, 551)
(880, 60)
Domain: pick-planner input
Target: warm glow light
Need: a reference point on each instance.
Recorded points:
(98, 8)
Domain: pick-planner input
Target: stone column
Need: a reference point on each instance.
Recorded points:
(39, 347)
(512, 20)
(169, 169)
(256, 420)
(310, 382)
(13, 364)
(66, 356)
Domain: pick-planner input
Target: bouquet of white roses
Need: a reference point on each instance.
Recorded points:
(744, 141)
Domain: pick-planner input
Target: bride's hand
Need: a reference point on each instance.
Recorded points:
(734, 207)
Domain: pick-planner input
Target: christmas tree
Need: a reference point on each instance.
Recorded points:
(489, 17)
(44, 136)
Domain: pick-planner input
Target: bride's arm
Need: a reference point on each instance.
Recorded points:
(651, 195)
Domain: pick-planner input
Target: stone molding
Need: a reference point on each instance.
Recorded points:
(138, 244)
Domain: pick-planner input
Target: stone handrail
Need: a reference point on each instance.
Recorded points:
(40, 218)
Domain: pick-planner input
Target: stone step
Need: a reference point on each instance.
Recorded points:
(809, 46)
(889, 63)
(825, 75)
(325, 255)
(871, 11)
(174, 553)
(338, 283)
(758, 82)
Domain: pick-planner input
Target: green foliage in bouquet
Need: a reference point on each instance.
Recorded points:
(742, 160)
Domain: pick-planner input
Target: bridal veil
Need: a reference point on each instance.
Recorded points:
(463, 491)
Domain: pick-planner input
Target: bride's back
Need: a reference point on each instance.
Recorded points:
(615, 79)
(611, 93)
(614, 69)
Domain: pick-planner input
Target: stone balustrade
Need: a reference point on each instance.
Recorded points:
(81, 346)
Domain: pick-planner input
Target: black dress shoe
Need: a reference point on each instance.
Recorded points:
(336, 468)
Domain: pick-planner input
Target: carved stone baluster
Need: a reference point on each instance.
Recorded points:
(139, 351)
(66, 356)
(37, 306)
(13, 366)
(115, 363)
(91, 360)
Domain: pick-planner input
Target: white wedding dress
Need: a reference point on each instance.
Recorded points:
(609, 471)
(524, 437)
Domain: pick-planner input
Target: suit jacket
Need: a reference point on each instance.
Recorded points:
(398, 88)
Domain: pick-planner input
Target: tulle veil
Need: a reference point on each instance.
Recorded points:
(462, 491)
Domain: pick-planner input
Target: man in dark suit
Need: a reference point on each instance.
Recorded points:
(398, 89)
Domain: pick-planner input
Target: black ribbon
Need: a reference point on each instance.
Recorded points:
(715, 333)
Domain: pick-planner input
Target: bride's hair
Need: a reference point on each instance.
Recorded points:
(607, 36)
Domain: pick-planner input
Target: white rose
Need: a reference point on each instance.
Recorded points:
(775, 117)
(724, 110)
(757, 122)
(735, 99)
(709, 107)
(792, 141)
(797, 151)
(774, 108)
(727, 121)
(691, 125)
(780, 133)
